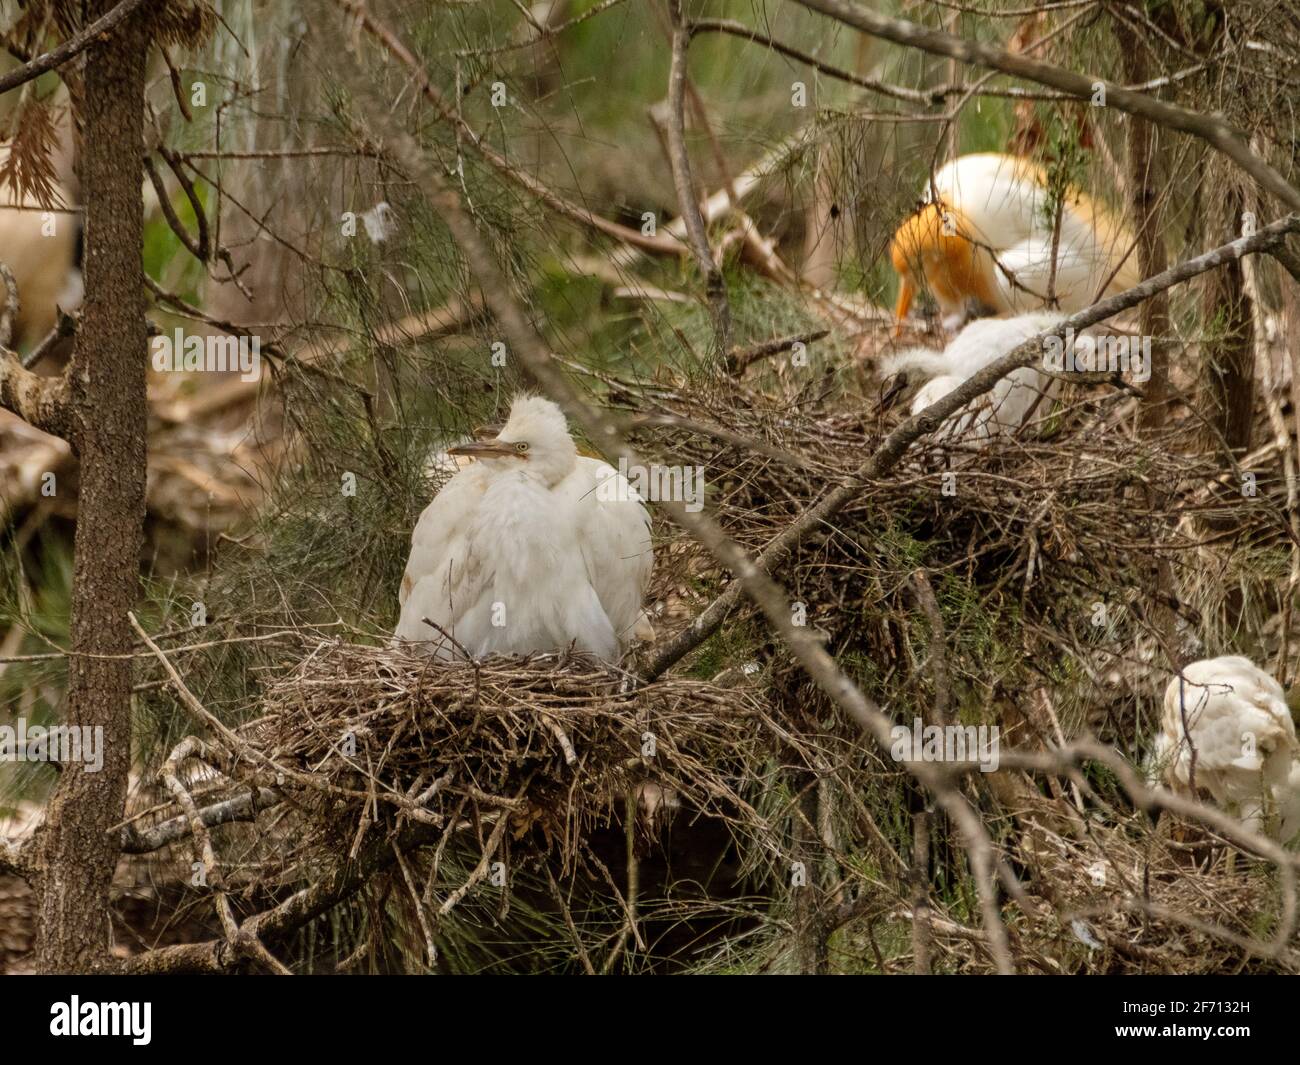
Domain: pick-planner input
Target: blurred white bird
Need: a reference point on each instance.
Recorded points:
(40, 247)
(380, 222)
(532, 547)
(1240, 728)
(442, 463)
(983, 239)
(1010, 403)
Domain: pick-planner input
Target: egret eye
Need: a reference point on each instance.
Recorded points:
(522, 446)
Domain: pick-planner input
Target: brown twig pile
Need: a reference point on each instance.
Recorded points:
(1128, 896)
(1077, 510)
(383, 737)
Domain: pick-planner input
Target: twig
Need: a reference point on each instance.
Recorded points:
(938, 660)
(684, 184)
(97, 30)
(66, 326)
(740, 358)
(241, 808)
(658, 245)
(921, 893)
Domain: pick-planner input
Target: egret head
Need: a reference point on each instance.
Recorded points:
(932, 247)
(535, 438)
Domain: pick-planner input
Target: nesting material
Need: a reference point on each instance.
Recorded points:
(383, 737)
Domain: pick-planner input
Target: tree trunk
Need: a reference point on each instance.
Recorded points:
(1145, 182)
(1228, 348)
(77, 851)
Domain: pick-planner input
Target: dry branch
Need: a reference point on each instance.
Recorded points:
(55, 57)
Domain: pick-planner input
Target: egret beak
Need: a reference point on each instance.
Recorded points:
(906, 291)
(487, 449)
(894, 388)
(488, 432)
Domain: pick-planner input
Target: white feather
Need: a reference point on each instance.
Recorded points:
(1003, 206)
(1234, 718)
(1010, 402)
(515, 555)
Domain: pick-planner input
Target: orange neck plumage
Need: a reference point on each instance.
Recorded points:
(932, 245)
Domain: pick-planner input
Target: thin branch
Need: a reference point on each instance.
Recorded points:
(65, 327)
(169, 212)
(241, 808)
(929, 97)
(575, 213)
(684, 183)
(42, 402)
(216, 956)
(47, 61)
(740, 358)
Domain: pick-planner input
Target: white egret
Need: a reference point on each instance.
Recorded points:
(983, 238)
(531, 547)
(1010, 403)
(1226, 725)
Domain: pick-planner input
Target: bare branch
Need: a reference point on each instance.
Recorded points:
(65, 327)
(40, 401)
(217, 956)
(680, 162)
(575, 213)
(1290, 261)
(930, 97)
(241, 808)
(98, 29)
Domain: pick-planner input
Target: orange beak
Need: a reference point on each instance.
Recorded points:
(906, 292)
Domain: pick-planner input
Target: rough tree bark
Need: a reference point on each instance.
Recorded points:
(1228, 348)
(76, 851)
(1146, 179)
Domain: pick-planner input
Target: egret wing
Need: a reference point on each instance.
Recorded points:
(614, 535)
(445, 574)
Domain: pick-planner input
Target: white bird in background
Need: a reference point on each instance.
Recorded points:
(40, 247)
(442, 463)
(983, 239)
(380, 222)
(532, 547)
(1010, 403)
(1240, 728)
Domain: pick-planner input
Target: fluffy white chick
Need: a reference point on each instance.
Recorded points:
(1010, 403)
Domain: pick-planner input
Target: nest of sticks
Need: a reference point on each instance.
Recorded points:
(969, 577)
(369, 738)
